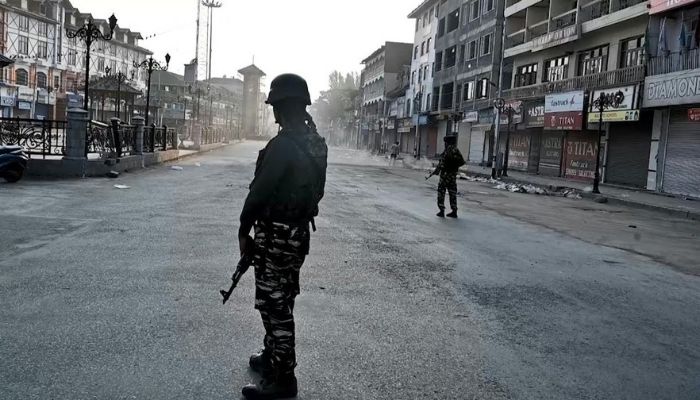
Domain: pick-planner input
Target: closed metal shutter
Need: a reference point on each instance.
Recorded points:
(463, 140)
(682, 166)
(628, 152)
(476, 146)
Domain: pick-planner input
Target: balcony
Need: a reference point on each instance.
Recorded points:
(674, 62)
(594, 9)
(621, 76)
(537, 30)
(516, 38)
(562, 21)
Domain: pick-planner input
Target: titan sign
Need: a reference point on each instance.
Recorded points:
(564, 111)
(670, 89)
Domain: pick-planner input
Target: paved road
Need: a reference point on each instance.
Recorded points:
(111, 293)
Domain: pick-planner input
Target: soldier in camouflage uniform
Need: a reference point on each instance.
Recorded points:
(290, 177)
(450, 161)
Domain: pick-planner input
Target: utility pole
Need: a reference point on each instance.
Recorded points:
(497, 109)
(196, 47)
(211, 5)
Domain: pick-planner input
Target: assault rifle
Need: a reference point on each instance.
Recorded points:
(243, 265)
(435, 171)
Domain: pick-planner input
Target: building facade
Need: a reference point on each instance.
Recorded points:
(563, 56)
(49, 71)
(380, 76)
(672, 94)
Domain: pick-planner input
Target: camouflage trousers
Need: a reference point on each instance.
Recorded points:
(280, 251)
(448, 182)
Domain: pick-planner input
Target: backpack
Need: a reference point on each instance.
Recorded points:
(315, 150)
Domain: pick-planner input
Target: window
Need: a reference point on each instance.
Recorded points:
(41, 80)
(427, 46)
(482, 88)
(436, 12)
(474, 14)
(56, 82)
(632, 52)
(101, 64)
(42, 49)
(453, 20)
(22, 77)
(593, 61)
(422, 48)
(441, 28)
(113, 66)
(438, 61)
(417, 24)
(42, 29)
(486, 44)
(425, 19)
(113, 50)
(556, 69)
(451, 57)
(413, 77)
(23, 45)
(488, 6)
(471, 50)
(425, 72)
(435, 99)
(462, 50)
(71, 57)
(23, 23)
(415, 53)
(432, 70)
(446, 102)
(469, 90)
(526, 75)
(458, 95)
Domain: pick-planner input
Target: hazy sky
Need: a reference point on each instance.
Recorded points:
(307, 37)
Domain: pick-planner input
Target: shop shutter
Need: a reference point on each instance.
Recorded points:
(682, 166)
(628, 152)
(476, 146)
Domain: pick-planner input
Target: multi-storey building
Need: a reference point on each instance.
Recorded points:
(420, 91)
(672, 93)
(564, 55)
(49, 71)
(380, 76)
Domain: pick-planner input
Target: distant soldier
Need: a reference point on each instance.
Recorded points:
(289, 182)
(394, 153)
(450, 161)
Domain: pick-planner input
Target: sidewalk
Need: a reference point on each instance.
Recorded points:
(634, 198)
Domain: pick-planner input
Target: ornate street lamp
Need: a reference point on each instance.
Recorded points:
(603, 102)
(508, 109)
(149, 65)
(89, 33)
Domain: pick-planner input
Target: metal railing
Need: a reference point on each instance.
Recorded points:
(516, 38)
(537, 30)
(38, 137)
(99, 140)
(593, 10)
(562, 21)
(604, 79)
(622, 4)
(674, 62)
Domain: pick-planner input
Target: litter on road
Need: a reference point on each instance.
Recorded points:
(122, 187)
(176, 168)
(197, 164)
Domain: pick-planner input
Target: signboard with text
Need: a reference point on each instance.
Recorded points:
(471, 116)
(564, 111)
(517, 112)
(580, 152)
(24, 105)
(555, 38)
(672, 89)
(694, 114)
(657, 6)
(534, 114)
(519, 151)
(7, 101)
(614, 116)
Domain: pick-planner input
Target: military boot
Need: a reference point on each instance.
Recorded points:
(276, 387)
(453, 214)
(260, 363)
(441, 214)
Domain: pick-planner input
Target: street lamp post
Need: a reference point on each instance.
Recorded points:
(603, 102)
(89, 33)
(149, 65)
(499, 104)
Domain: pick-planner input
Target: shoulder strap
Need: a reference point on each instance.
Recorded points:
(305, 151)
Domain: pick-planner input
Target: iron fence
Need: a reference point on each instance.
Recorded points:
(674, 62)
(38, 137)
(99, 140)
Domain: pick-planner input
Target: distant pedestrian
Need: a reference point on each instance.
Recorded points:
(394, 153)
(450, 161)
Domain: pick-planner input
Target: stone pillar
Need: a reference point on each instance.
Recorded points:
(139, 123)
(76, 134)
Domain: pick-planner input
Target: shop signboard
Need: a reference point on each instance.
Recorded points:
(517, 117)
(694, 114)
(391, 123)
(672, 89)
(556, 38)
(580, 152)
(534, 114)
(24, 105)
(7, 101)
(614, 116)
(75, 101)
(471, 116)
(564, 111)
(658, 6)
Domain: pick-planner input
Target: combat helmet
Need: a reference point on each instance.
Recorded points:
(289, 86)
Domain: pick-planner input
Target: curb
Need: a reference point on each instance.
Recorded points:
(689, 214)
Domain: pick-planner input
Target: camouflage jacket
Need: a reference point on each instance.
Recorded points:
(450, 160)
